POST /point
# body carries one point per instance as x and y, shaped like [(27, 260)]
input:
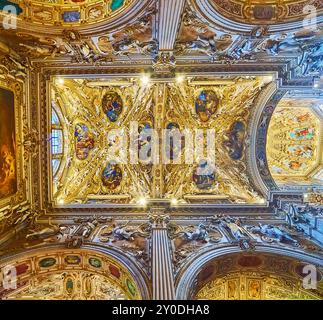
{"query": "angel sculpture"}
[(120, 233), (198, 234), (272, 233)]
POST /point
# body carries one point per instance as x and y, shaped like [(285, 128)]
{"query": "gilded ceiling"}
[(294, 146), (69, 13), (268, 11), (254, 277), (92, 169), (64, 275)]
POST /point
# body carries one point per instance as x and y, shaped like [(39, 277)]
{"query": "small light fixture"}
[(180, 78), (61, 202), (145, 79), (174, 202), (142, 202), (60, 81)]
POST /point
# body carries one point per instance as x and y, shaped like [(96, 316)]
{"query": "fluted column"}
[(169, 19), (162, 266)]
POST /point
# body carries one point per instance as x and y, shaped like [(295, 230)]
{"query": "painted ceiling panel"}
[(294, 146), (259, 11), (97, 114)]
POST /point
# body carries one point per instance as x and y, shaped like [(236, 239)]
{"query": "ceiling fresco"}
[(254, 277), (269, 11), (294, 147), (67, 275), (93, 170), (69, 13)]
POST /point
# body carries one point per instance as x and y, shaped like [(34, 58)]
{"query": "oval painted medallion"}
[(112, 105), (206, 104)]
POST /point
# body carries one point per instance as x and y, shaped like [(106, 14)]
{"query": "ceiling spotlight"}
[(142, 201), (61, 202), (180, 78), (145, 80), (60, 81), (174, 202)]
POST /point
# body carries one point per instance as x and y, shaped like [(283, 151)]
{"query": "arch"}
[(187, 275), (69, 15), (211, 11), (260, 118), (258, 164), (111, 264)]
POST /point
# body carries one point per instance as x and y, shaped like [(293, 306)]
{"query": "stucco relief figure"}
[(195, 36), (46, 232), (270, 233), (200, 233), (43, 15), (51, 237), (275, 47), (233, 226), (84, 230), (120, 233), (105, 45), (95, 12), (136, 38), (314, 60)]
